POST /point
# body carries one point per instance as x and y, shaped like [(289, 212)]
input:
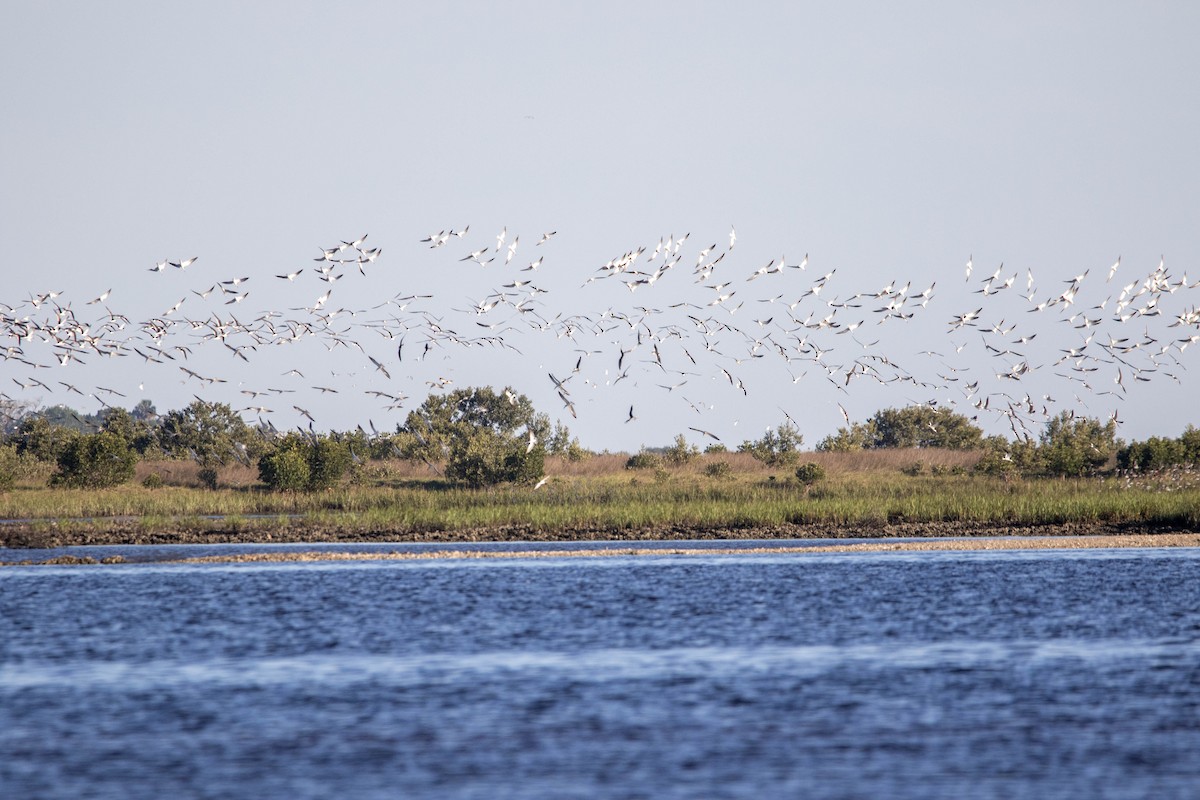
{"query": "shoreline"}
[(130, 532), (940, 545), (993, 538)]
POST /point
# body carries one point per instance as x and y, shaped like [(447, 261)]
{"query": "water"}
[(1035, 674)]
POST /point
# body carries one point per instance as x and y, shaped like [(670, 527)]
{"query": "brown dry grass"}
[(187, 474), (605, 465), (863, 461)]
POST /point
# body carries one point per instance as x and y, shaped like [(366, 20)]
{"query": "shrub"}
[(680, 452), (95, 461), (1154, 453), (810, 473), (561, 443), (285, 470), (913, 469), (718, 469), (211, 433), (328, 461), (153, 481), (924, 426), (37, 437), (858, 436), (643, 459), (208, 477), (486, 437), (777, 448), (1073, 446), (10, 466), (1009, 459), (488, 458)]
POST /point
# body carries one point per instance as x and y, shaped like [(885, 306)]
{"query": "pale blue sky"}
[(888, 141)]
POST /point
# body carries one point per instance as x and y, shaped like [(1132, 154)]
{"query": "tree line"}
[(479, 437)]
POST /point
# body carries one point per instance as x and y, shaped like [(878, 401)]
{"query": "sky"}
[(887, 144)]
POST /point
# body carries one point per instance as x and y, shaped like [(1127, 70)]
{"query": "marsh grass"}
[(862, 490)]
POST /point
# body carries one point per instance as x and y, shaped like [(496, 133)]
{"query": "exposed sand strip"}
[(882, 546), (1046, 542)]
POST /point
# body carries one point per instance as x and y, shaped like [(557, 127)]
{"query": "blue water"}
[(1004, 674)]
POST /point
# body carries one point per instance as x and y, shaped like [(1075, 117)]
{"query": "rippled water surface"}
[(1005, 674)]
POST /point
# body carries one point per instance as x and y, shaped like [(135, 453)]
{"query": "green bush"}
[(153, 481), (208, 477), (10, 466), (285, 470), (328, 461), (777, 448), (718, 469), (38, 438), (1158, 453), (95, 461), (643, 459), (810, 473), (914, 426), (680, 452), (1073, 446), (488, 458)]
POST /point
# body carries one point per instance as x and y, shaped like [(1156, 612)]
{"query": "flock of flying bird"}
[(729, 330)]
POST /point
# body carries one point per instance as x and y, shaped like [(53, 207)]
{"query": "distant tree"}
[(144, 411), (924, 426), (285, 467), (1073, 446), (680, 452), (858, 436), (1189, 445), (69, 418), (298, 462), (776, 448), (212, 434), (486, 458), (39, 438), (1009, 459), (1160, 453), (328, 460), (11, 413), (482, 435), (95, 461), (1155, 453), (442, 418), (561, 443), (10, 466), (137, 433)]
